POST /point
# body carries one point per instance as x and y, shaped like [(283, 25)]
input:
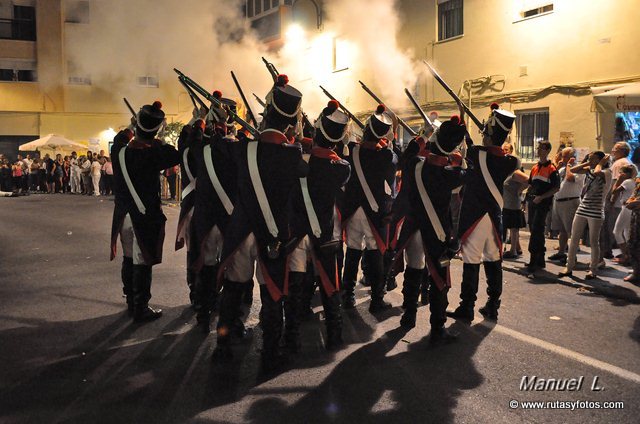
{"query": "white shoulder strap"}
[(363, 181), (254, 173), (215, 181), (132, 190), (311, 213), (192, 181), (428, 206), (482, 158)]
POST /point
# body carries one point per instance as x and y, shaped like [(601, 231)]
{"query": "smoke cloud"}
[(206, 40)]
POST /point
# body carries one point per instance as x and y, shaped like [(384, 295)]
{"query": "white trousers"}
[(212, 248), (76, 186), (243, 263), (359, 233), (579, 222), (481, 245), (130, 246), (622, 229), (95, 179), (414, 251)]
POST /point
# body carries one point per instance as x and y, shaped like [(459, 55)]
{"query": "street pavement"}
[(69, 353)]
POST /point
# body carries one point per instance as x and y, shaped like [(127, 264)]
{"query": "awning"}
[(622, 99), (52, 142)]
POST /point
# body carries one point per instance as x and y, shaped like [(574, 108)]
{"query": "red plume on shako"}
[(157, 104)]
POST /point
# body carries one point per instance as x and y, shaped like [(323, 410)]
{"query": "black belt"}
[(567, 198)]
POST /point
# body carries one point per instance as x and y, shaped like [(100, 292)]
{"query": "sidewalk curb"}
[(614, 292)]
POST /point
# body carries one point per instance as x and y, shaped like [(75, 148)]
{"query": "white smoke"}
[(206, 40)]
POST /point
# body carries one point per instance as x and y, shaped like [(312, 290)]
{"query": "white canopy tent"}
[(622, 99), (52, 142)]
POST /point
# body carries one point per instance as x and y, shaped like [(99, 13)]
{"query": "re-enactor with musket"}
[(258, 235), (137, 215)]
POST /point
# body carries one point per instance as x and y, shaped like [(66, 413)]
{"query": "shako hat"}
[(149, 119), (450, 134), (331, 124), (499, 124), (283, 101), (379, 123)]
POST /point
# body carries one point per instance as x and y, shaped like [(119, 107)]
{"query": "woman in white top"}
[(621, 192), (590, 211), (96, 167)]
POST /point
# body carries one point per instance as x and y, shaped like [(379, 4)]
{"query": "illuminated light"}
[(295, 34), (108, 135)]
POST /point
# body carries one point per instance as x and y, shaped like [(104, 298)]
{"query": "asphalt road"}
[(69, 353)]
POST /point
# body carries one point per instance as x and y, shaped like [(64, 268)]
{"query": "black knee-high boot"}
[(424, 287), (333, 319), (292, 311), (271, 324), (126, 274), (230, 313), (438, 307), (468, 292), (493, 271), (364, 264), (308, 289), (410, 291), (191, 277), (206, 295), (350, 273), (142, 293), (375, 274)]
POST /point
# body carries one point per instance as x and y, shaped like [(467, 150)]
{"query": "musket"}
[(455, 96), (194, 97), (271, 68), (250, 114), (126, 102), (400, 120), (274, 74), (204, 93), (418, 108), (344, 109), (259, 100)]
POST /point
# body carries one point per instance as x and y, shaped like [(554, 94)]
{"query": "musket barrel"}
[(126, 102), (454, 95), (344, 109), (418, 108), (194, 97), (204, 93), (250, 114)]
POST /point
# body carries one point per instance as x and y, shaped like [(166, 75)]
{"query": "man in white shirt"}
[(619, 158), (565, 202), (26, 170), (74, 174)]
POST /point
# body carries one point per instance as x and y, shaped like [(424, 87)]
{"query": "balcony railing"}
[(18, 29)]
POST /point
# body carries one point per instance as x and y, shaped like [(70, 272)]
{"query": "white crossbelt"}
[(482, 158), (192, 181), (254, 173), (428, 205), (363, 181), (132, 190), (311, 213), (215, 181)]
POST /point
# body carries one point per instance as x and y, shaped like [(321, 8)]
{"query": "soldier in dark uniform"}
[(216, 188), (481, 215), (313, 220), (188, 171), (137, 216), (367, 206), (428, 180), (258, 232)]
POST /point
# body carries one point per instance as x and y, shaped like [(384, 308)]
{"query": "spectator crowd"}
[(596, 201), (90, 174)]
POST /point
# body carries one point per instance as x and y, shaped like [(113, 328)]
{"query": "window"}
[(18, 70), (449, 19), (532, 126), (148, 81), (76, 76), (257, 7), (267, 26), (22, 26), (77, 12), (532, 8)]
